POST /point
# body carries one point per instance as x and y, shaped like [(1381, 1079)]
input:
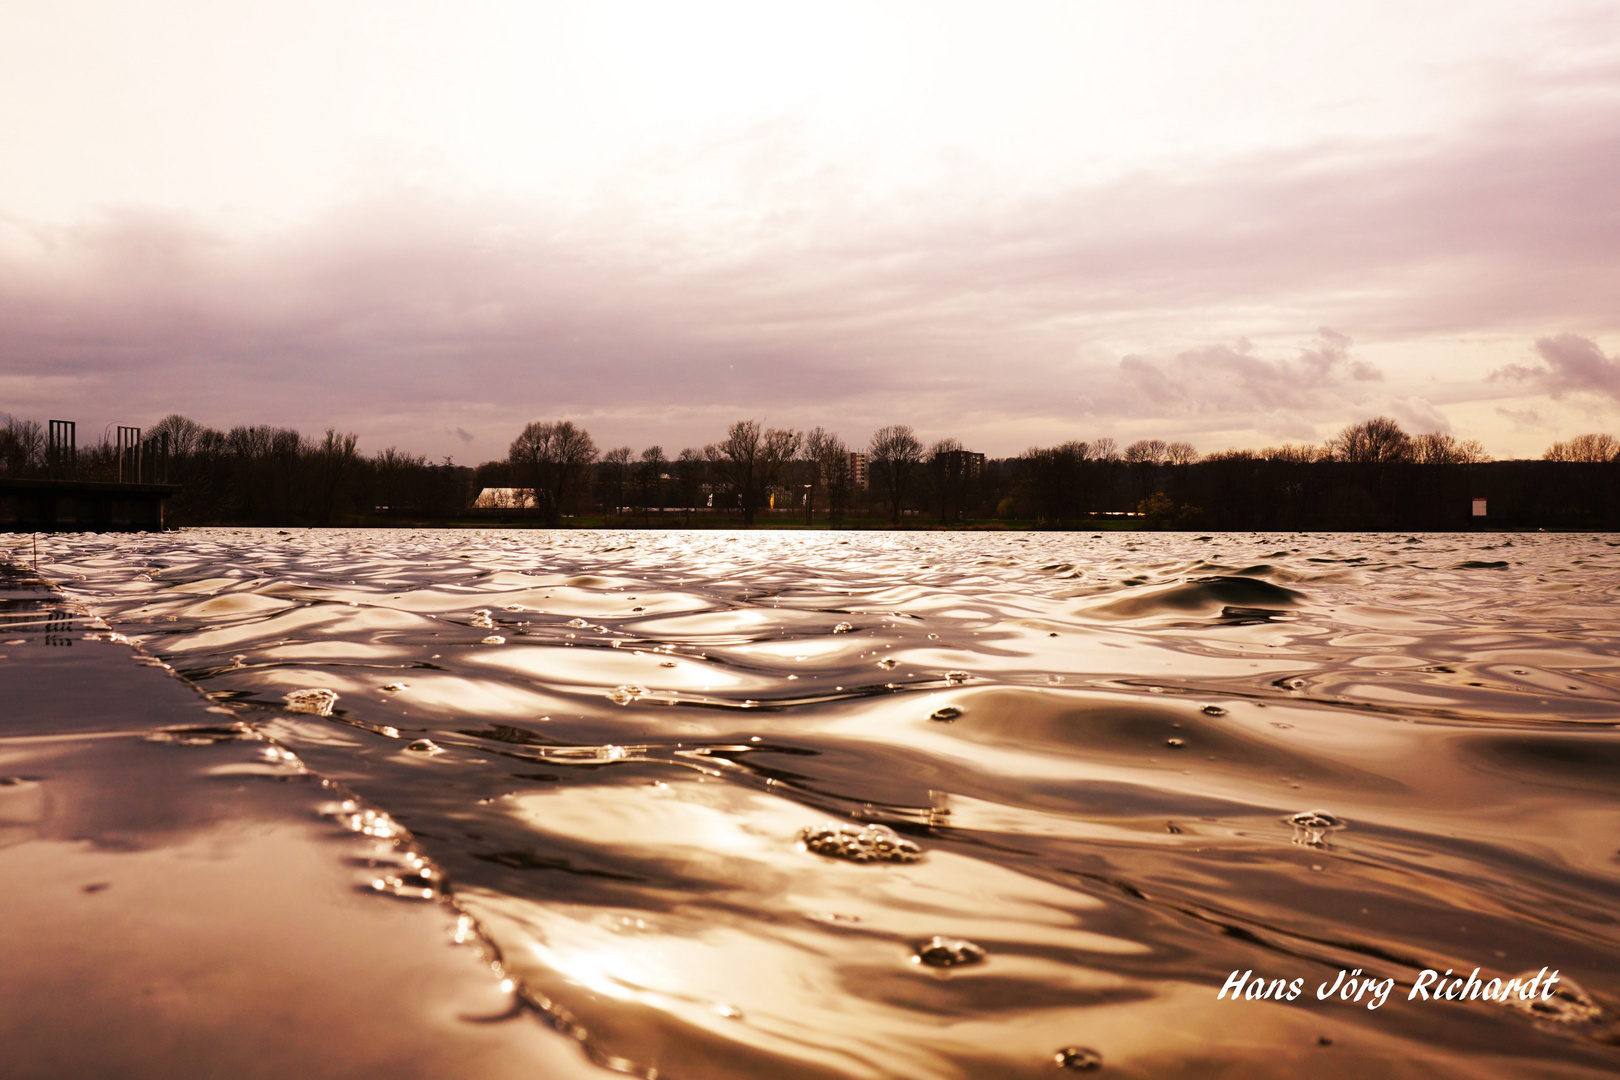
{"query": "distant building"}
[(964, 463), (504, 499), (860, 469)]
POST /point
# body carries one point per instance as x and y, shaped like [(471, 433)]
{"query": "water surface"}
[(957, 805)]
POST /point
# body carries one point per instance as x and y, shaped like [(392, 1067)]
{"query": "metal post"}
[(62, 452), (129, 455)]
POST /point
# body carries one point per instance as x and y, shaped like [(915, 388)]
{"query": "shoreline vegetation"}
[(1372, 476)]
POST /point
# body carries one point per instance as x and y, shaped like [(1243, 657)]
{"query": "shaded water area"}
[(956, 805)]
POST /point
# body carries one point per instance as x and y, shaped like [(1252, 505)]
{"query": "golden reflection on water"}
[(614, 743)]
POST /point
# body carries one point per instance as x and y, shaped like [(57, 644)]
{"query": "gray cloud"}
[(416, 314), (1234, 382), (1570, 364)]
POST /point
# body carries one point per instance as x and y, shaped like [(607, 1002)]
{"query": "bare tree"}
[(22, 446), (1103, 449), (837, 474), (1055, 481), (1377, 441), (1437, 448), (895, 453), (689, 470), (184, 434), (615, 477), (750, 460), (1181, 453), (1593, 447), (334, 459), (1296, 454), (549, 460), (1147, 452), (817, 441), (650, 479)]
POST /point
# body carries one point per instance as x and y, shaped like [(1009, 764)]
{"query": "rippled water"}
[(957, 805)]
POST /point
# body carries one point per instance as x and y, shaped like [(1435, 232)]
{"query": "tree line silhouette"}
[(1371, 475)]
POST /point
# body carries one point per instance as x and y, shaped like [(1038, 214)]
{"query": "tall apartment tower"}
[(860, 469)]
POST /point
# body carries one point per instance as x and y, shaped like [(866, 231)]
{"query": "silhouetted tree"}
[(22, 446), (749, 461), (895, 453), (550, 461), (1591, 448), (1055, 481), (1378, 441), (185, 434), (615, 477), (690, 468), (1147, 451), (334, 461), (817, 442), (1436, 448), (650, 479), (837, 475)]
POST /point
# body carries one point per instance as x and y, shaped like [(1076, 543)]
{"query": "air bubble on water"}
[(1175, 743), (275, 755), (493, 639), (730, 1012), (948, 952), (1213, 710), (956, 678), (945, 713), (481, 619), (1313, 828), (425, 746), (859, 843), (667, 663), (373, 823), (1077, 1059), (1569, 1004), (394, 687), (406, 887), (624, 695), (416, 879), (577, 624), (888, 663), (236, 661), (316, 701), (843, 628)]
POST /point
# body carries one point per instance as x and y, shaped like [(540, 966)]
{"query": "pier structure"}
[(59, 501)]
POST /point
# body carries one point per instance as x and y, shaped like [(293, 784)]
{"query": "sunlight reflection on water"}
[(620, 747)]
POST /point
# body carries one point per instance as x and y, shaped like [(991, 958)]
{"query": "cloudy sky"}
[(1235, 224)]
